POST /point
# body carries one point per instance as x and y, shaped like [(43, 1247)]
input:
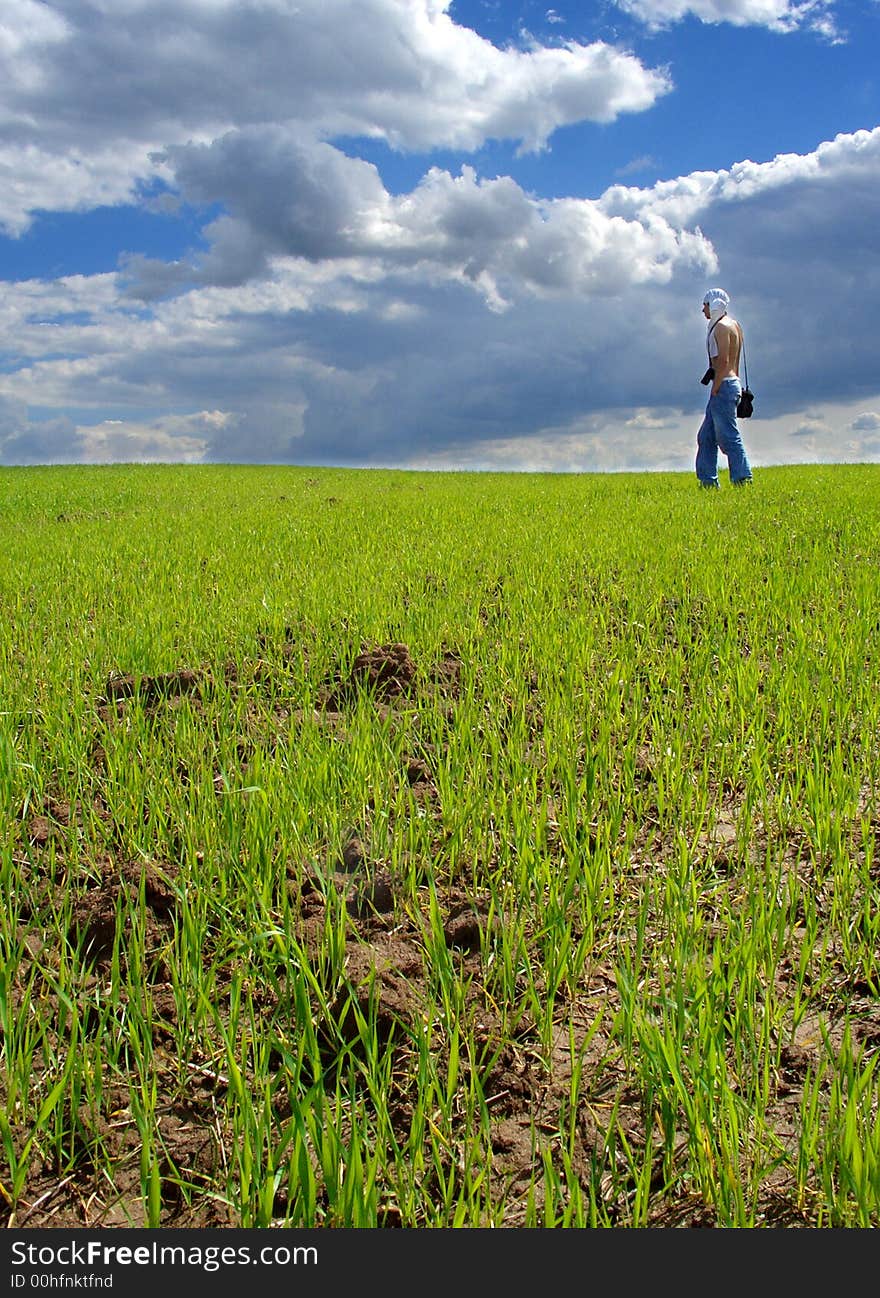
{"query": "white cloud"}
[(644, 162), (777, 15), (289, 197), (89, 101), (809, 427), (868, 421), (73, 180), (847, 158), (176, 439), (26, 29)]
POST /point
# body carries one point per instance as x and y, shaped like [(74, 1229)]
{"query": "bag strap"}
[(710, 333), (745, 366)]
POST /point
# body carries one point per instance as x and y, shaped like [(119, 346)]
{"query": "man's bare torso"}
[(728, 336)]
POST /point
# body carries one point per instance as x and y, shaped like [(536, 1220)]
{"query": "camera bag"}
[(746, 402)]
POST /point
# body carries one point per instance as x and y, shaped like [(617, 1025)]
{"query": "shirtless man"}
[(719, 430)]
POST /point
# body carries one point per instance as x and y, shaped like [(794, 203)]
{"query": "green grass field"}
[(403, 849)]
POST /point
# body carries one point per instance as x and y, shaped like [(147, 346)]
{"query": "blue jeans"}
[(719, 431)]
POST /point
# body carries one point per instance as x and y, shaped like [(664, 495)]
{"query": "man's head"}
[(715, 304)]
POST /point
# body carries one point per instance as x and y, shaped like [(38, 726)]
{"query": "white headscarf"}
[(717, 301)]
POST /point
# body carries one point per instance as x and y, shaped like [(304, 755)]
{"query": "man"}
[(719, 429)]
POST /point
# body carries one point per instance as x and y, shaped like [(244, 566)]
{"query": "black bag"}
[(745, 404)]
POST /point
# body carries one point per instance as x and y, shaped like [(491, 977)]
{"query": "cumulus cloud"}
[(90, 99), (173, 439), (178, 439), (777, 15), (833, 166), (33, 178), (289, 197), (809, 426)]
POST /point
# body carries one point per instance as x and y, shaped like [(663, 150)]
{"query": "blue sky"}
[(429, 234)]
